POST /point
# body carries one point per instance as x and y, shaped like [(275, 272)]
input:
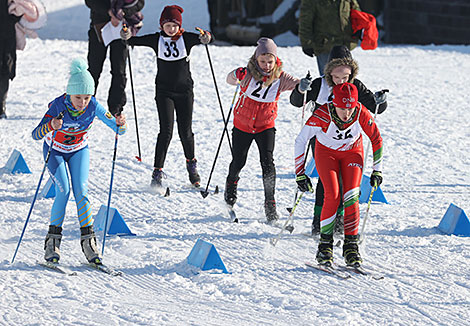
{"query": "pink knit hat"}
[(266, 45)]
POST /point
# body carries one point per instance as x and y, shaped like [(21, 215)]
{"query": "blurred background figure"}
[(324, 24), (101, 13)]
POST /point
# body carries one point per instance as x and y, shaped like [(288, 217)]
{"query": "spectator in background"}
[(324, 24), (102, 12), (7, 53)]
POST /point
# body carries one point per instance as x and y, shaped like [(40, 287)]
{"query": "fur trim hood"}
[(258, 75), (341, 62)]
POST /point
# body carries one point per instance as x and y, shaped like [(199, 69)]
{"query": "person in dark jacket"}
[(7, 53), (173, 87), (340, 68), (324, 24), (102, 12)]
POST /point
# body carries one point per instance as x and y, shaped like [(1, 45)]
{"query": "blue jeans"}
[(322, 60)]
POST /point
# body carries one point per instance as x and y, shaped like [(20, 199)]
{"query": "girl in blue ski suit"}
[(69, 139)]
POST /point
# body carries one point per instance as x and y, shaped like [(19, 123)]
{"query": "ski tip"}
[(204, 193), (138, 158), (167, 192), (216, 191)]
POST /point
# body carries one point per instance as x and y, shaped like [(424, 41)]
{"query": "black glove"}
[(303, 182), (308, 51), (381, 100), (376, 178)]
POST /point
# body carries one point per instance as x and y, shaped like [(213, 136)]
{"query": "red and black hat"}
[(171, 14), (345, 96)]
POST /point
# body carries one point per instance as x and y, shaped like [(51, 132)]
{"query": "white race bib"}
[(170, 50), (341, 140), (257, 92)]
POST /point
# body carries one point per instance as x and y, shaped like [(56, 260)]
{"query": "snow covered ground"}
[(426, 136)]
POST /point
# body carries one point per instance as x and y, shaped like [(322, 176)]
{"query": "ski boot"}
[(89, 246), (351, 250), (270, 211), (194, 178), (230, 194), (52, 244), (325, 249), (157, 176)]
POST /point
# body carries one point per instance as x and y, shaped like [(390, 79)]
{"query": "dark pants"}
[(4, 83), (118, 56), (167, 104), (241, 142)]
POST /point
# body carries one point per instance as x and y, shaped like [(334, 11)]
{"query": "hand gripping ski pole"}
[(60, 116), (110, 188), (288, 222), (205, 192), (139, 157), (216, 90), (362, 235)]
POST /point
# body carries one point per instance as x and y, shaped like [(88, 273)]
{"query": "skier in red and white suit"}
[(338, 126)]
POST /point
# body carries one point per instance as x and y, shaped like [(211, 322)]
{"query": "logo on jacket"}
[(71, 126), (355, 165)]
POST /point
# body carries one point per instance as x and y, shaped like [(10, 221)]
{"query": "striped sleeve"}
[(44, 127), (372, 131)]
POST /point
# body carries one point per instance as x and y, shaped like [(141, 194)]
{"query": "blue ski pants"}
[(79, 164)]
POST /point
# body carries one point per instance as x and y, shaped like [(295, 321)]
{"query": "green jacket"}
[(326, 23)]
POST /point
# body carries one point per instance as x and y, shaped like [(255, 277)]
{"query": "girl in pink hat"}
[(261, 84)]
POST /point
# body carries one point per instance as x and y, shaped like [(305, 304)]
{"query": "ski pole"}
[(60, 116), (367, 214), (204, 193), (305, 102), (362, 235), (139, 157), (383, 91), (110, 188), (288, 222), (301, 126), (216, 89)]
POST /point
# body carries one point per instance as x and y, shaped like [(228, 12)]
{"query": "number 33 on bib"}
[(171, 50)]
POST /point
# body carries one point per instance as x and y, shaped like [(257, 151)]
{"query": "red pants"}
[(329, 163)]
